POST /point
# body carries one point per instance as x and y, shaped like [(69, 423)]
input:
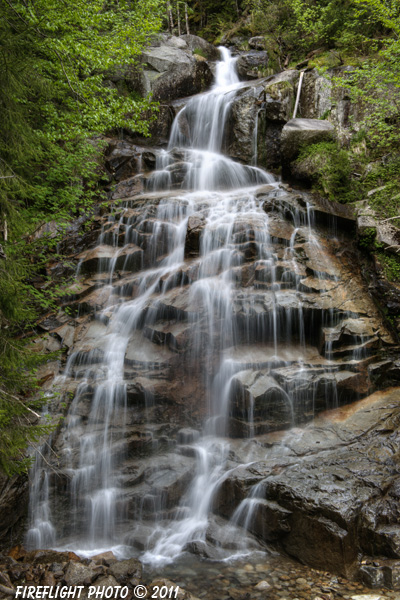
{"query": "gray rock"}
[(172, 71), (316, 95), (79, 574), (280, 94), (257, 43), (321, 99), (298, 133), (164, 58), (340, 498), (373, 577), (194, 42), (252, 64), (187, 436), (241, 127), (204, 550), (196, 224), (126, 569)]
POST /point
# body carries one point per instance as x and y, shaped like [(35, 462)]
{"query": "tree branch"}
[(67, 78), (390, 219), (20, 402)]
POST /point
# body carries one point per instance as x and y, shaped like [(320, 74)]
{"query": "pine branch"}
[(3, 391)]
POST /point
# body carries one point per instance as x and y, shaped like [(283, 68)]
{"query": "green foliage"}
[(375, 85), (391, 266), (56, 102), (330, 169), (275, 21), (333, 23), (200, 52), (19, 398), (292, 28), (366, 240), (54, 96), (384, 176)]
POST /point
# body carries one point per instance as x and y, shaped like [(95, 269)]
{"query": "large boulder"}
[(251, 64), (258, 43), (196, 43), (337, 502), (316, 95), (320, 98), (171, 70), (277, 109), (298, 133), (258, 113), (280, 94)]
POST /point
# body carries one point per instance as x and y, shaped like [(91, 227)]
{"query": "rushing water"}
[(86, 507)]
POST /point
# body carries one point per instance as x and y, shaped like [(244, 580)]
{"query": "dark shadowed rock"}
[(13, 509), (122, 160), (181, 79), (102, 257), (195, 228), (252, 64)]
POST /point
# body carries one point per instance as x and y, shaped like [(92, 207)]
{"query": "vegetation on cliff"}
[(335, 33)]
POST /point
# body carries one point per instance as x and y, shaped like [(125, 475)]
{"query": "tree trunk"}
[(187, 19), (169, 26), (170, 18), (178, 12)]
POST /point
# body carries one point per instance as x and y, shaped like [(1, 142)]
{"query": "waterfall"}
[(222, 321), (298, 94)]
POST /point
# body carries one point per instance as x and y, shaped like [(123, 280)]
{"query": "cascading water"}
[(221, 319)]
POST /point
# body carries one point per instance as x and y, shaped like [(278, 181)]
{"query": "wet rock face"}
[(287, 287), (242, 123), (341, 499), (258, 114), (280, 96)]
